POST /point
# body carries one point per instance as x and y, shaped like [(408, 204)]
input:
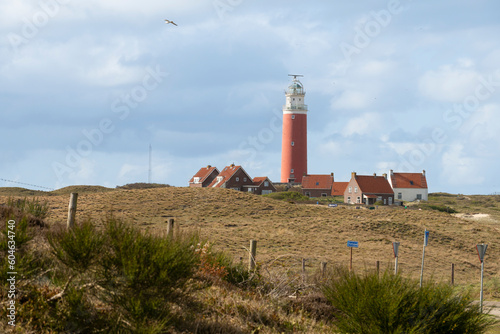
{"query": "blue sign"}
[(353, 244), (331, 205), (426, 238)]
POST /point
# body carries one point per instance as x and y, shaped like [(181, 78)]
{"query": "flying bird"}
[(168, 21)]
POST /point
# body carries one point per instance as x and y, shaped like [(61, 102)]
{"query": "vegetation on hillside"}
[(112, 277), (388, 303)]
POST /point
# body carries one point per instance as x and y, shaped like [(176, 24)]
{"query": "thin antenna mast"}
[(149, 171)]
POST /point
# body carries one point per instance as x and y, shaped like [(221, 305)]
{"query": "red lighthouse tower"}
[(294, 142)]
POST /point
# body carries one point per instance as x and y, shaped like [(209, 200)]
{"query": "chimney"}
[(232, 165), (423, 172), (384, 175), (392, 172), (374, 175), (209, 166), (353, 175)]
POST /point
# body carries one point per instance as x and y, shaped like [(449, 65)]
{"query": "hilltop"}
[(287, 232)]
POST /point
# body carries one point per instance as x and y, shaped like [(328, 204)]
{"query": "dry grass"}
[(287, 233), (317, 233)]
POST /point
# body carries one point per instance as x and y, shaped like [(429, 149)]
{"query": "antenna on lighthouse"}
[(149, 171), (295, 76)]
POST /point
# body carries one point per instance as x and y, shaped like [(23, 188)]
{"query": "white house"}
[(409, 186)]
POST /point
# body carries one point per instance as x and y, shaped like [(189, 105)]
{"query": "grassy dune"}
[(285, 300), (288, 232)]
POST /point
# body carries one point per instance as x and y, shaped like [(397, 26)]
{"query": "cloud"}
[(459, 169), (366, 124), (449, 83)]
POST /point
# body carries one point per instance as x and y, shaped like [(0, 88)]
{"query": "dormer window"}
[(219, 178), (196, 180)]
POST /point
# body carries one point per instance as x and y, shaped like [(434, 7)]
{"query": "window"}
[(196, 180), (293, 116), (300, 99), (323, 194), (355, 189), (308, 194), (379, 198), (291, 171), (237, 179), (293, 99), (266, 183), (385, 201), (419, 196), (348, 199), (350, 190), (400, 196), (358, 199), (244, 179), (293, 143), (219, 178), (317, 183)]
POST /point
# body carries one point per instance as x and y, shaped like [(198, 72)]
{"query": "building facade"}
[(366, 189), (409, 186)]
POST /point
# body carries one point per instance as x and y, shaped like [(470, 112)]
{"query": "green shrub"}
[(288, 196), (389, 303), (79, 247), (441, 208), (33, 207)]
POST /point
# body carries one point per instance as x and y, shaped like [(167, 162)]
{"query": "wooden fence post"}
[(378, 268), (170, 227), (452, 273), (253, 252), (72, 210), (323, 268)]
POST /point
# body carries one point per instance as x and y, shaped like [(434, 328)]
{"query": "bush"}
[(392, 304), (441, 208), (133, 277), (33, 207), (78, 248), (288, 196)]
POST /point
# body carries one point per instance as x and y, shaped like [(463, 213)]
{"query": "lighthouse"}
[(294, 141)]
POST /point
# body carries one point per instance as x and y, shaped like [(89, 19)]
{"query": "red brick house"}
[(366, 189), (204, 177), (261, 186), (232, 177), (317, 185)]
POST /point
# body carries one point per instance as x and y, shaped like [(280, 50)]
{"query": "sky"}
[(87, 86)]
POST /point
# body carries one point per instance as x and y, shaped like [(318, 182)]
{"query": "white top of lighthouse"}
[(296, 87), (295, 97)]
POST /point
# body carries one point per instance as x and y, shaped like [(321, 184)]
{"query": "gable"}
[(204, 173)]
